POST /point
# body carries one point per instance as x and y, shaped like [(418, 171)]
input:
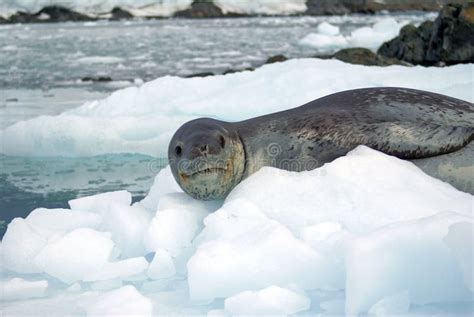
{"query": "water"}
[(41, 67)]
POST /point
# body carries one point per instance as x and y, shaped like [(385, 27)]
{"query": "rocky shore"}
[(208, 9), (448, 40)]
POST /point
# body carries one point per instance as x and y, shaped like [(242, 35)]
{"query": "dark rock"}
[(96, 79), (362, 56), (61, 14), (452, 36), (446, 41), (120, 14), (410, 45), (276, 59), (335, 7), (201, 9), (3, 21), (231, 71), (49, 14), (203, 74)]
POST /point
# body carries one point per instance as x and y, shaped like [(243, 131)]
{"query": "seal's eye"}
[(221, 141), (178, 150)]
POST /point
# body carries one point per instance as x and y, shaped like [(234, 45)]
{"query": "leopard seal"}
[(209, 157)]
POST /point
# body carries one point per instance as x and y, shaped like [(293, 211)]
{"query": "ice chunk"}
[(324, 41), (76, 287), (101, 202), (125, 301), (239, 253), (75, 255), (408, 256), (128, 225), (373, 37), (164, 184), (327, 29), (272, 300), (368, 189), (20, 245), (160, 106), (176, 223), (118, 270), (397, 304), (162, 265), (17, 288), (460, 240), (50, 222), (106, 285)]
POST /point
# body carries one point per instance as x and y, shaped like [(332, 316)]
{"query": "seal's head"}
[(207, 158)]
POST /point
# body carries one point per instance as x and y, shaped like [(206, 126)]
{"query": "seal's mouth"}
[(204, 172)]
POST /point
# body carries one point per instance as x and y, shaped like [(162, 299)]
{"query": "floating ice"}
[(270, 301), (324, 41), (162, 265), (329, 38), (128, 225), (327, 29), (101, 203), (17, 288), (118, 270), (74, 256), (125, 301), (20, 245), (410, 256), (367, 225), (159, 107)]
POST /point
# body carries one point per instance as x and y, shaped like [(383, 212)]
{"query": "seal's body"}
[(209, 157)]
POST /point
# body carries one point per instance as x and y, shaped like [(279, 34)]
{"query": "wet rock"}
[(231, 71), (446, 41), (118, 13), (411, 44), (203, 74), (201, 9), (96, 79), (452, 36), (336, 7), (276, 59), (362, 56)]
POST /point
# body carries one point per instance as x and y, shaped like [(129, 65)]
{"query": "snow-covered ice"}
[(369, 225), (156, 7), (159, 107)]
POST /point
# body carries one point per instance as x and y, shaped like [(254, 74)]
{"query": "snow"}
[(367, 232), (17, 288), (159, 107), (156, 7), (329, 38), (269, 7), (272, 300)]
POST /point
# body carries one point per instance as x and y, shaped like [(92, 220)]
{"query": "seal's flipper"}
[(413, 140)]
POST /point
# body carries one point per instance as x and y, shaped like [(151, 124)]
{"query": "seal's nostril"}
[(222, 141), (178, 150), (205, 148)]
